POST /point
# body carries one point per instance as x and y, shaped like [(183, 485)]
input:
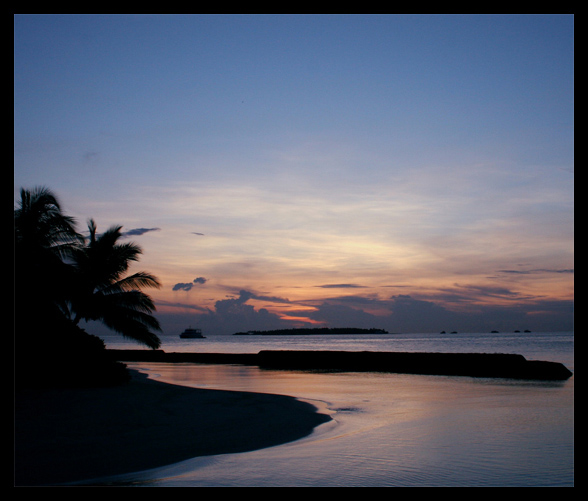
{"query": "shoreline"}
[(71, 435)]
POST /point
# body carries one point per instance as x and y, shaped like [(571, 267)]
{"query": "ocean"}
[(388, 430)]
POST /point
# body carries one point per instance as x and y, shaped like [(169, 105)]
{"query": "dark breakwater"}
[(441, 364), (181, 357), (495, 365)]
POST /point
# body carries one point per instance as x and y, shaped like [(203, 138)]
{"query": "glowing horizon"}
[(410, 172)]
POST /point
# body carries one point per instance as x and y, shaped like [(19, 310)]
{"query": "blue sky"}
[(407, 172)]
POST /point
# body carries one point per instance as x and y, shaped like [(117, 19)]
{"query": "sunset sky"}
[(407, 172)]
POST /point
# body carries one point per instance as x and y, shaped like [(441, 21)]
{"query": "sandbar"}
[(69, 435)]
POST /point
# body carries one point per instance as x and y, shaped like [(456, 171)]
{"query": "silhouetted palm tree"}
[(102, 292), (60, 275), (44, 238), (40, 224)]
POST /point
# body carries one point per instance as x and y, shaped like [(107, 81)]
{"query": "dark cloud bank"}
[(229, 316), (400, 313)]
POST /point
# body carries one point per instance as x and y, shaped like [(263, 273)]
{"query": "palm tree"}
[(39, 223), (44, 238), (103, 292)]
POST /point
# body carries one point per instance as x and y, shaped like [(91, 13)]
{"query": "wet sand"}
[(68, 435)]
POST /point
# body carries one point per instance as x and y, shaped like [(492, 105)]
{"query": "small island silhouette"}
[(314, 330)]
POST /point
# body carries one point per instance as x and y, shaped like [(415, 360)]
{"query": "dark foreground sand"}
[(69, 435)]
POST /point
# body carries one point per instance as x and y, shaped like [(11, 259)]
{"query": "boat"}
[(190, 333)]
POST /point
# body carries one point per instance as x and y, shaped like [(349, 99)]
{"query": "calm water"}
[(390, 429)]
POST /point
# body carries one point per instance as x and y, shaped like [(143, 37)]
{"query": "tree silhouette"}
[(103, 292), (44, 240), (62, 277)]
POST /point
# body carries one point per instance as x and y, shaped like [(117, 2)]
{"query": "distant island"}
[(311, 331)]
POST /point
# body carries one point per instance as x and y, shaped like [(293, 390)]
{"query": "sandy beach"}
[(68, 435)]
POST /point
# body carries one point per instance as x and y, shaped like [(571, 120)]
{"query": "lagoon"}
[(389, 429)]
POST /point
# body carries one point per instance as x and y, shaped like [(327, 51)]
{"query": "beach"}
[(68, 435), (180, 426)]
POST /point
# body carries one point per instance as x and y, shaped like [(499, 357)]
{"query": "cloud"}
[(356, 300), (235, 315), (339, 315), (405, 313), (529, 272), (182, 286), (131, 233), (272, 299), (246, 295), (183, 306), (397, 313), (409, 312), (90, 155), (341, 286), (186, 286), (482, 291), (195, 233), (139, 231), (230, 315)]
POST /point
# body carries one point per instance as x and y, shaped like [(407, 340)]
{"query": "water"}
[(534, 346), (389, 429)]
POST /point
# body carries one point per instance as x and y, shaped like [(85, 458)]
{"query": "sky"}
[(407, 172)]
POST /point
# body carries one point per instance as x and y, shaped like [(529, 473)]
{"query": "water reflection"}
[(392, 429)]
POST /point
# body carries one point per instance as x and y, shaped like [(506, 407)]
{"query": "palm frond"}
[(133, 322), (132, 300), (138, 280), (133, 330)]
